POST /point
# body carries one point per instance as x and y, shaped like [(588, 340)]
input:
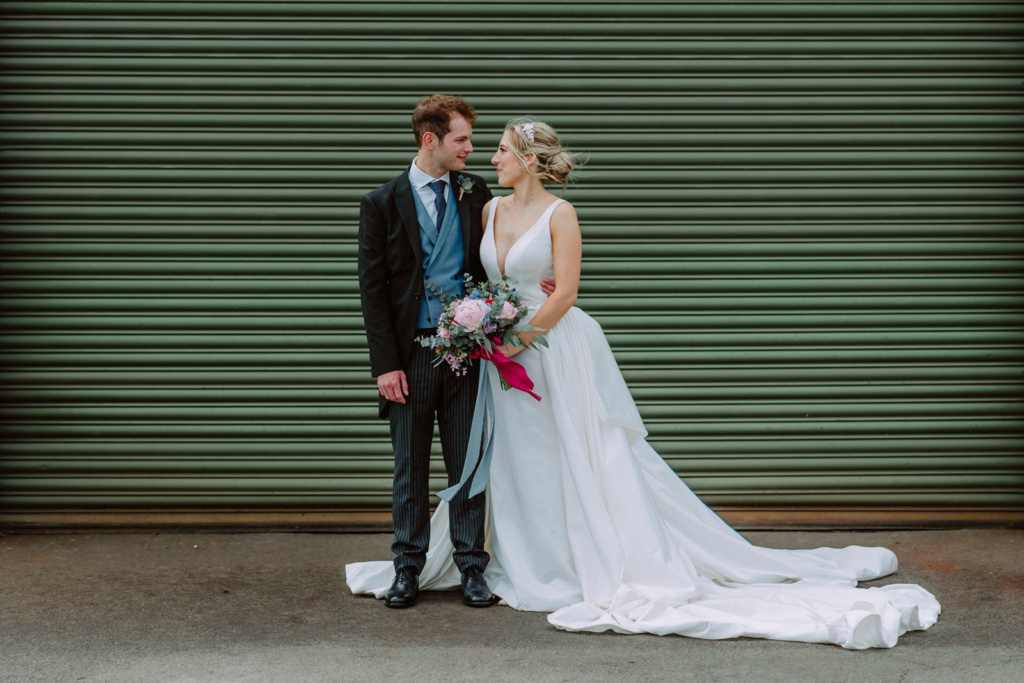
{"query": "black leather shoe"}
[(475, 592), (404, 589)]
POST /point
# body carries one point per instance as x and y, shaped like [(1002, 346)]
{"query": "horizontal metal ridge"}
[(699, 446), (636, 284), (647, 316), (347, 215), (610, 176), (384, 64), (599, 229), (597, 305), (474, 47), (471, 27), (389, 162), (1001, 471), (597, 269), (269, 397), (356, 358), (340, 144), (739, 428), (553, 84), (798, 360), (210, 503), (951, 337), (577, 123), (659, 196), (569, 9), (284, 250), (311, 455), (638, 375), (497, 108), (381, 483)]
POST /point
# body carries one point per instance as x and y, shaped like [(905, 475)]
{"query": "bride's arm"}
[(567, 252)]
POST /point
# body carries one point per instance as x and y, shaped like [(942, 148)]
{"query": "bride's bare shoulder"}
[(564, 221), (564, 212)]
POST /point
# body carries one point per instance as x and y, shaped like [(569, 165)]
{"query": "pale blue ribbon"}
[(481, 447)]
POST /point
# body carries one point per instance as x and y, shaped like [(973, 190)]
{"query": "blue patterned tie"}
[(438, 186)]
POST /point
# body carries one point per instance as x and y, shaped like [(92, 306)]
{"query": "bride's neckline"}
[(494, 232)]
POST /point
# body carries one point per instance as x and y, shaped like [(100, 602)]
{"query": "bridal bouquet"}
[(472, 325)]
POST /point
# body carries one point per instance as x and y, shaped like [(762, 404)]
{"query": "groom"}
[(420, 229)]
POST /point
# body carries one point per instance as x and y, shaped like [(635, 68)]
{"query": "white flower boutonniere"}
[(465, 185)]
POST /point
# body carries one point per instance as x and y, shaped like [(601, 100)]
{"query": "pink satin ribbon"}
[(511, 371)]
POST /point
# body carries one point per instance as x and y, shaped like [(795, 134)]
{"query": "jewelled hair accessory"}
[(528, 131)]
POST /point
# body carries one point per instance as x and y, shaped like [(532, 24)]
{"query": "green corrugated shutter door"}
[(802, 221)]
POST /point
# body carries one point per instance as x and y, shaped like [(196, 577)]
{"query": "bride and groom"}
[(580, 517)]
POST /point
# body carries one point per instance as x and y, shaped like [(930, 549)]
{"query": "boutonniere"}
[(465, 185)]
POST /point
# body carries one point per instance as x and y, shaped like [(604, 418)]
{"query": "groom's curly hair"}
[(434, 114)]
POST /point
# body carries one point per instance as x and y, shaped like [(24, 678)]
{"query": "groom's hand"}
[(547, 285), (393, 386)]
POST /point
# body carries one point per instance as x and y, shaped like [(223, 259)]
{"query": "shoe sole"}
[(493, 601), (399, 605)]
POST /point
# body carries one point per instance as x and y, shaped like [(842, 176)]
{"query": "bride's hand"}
[(509, 350)]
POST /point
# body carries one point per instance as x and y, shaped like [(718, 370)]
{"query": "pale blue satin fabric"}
[(481, 442)]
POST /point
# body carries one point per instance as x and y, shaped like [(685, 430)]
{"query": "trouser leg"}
[(412, 431), (454, 419)]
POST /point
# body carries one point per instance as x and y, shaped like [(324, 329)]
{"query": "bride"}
[(584, 519)]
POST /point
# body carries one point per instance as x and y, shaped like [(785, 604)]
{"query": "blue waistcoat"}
[(443, 257)]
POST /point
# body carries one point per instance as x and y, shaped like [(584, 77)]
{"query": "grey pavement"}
[(189, 607)]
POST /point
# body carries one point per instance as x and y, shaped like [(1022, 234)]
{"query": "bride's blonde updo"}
[(554, 162)]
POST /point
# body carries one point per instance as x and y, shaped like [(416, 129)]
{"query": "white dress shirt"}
[(420, 182)]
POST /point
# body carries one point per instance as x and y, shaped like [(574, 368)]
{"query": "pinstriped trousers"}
[(434, 390)]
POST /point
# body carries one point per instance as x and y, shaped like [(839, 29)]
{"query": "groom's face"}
[(451, 152)]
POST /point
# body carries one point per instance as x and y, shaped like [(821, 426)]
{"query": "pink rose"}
[(443, 333), (508, 312), (470, 313)]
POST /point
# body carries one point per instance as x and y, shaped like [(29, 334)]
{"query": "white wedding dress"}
[(585, 520)]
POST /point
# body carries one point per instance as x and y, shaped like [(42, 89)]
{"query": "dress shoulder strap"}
[(494, 210), (546, 216)]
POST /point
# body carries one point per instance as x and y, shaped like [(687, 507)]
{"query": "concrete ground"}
[(274, 607)]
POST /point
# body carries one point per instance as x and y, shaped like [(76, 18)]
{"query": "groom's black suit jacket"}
[(391, 265)]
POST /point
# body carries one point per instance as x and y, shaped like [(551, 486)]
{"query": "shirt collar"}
[(420, 179)]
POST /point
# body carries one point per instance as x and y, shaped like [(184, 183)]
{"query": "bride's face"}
[(509, 168)]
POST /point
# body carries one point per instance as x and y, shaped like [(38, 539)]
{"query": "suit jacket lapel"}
[(463, 205), (407, 210)]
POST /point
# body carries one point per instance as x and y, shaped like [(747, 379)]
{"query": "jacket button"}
[(426, 277), (415, 296)]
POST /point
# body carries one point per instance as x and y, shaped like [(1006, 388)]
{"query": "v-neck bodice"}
[(529, 259)]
